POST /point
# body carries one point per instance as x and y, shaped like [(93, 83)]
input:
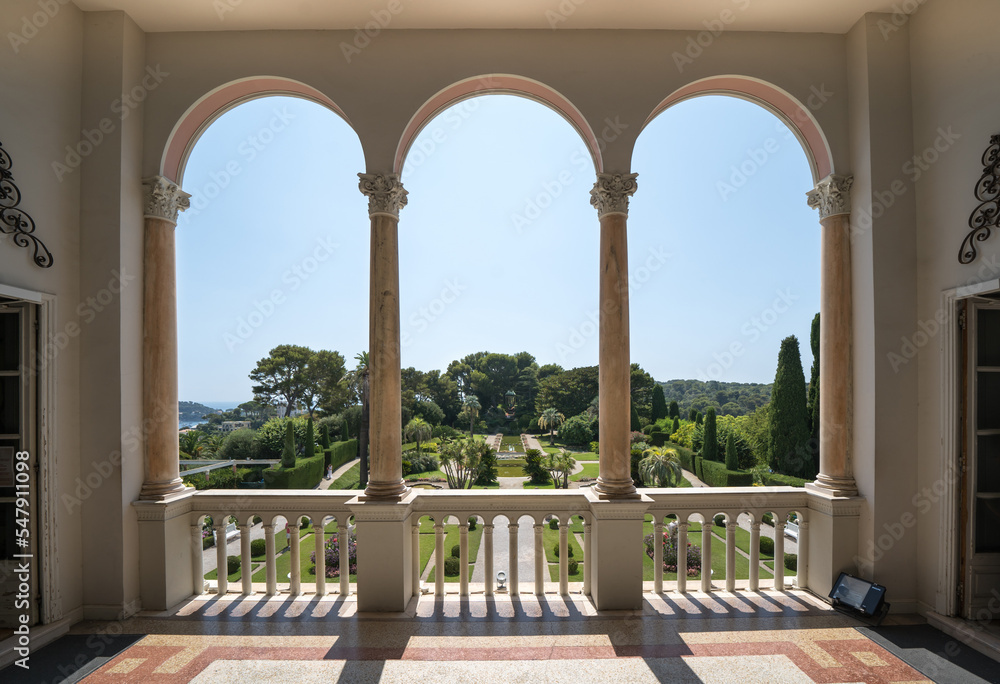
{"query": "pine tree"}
[(674, 411), (659, 403), (676, 425), (636, 426), (814, 381), (310, 439), (788, 420), (710, 445), (732, 460), (288, 452)]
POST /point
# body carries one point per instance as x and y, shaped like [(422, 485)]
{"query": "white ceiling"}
[(825, 16)]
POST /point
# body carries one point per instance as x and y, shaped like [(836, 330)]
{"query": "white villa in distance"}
[(896, 104)]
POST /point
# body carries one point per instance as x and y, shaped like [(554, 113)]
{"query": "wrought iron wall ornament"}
[(14, 220), (986, 216)]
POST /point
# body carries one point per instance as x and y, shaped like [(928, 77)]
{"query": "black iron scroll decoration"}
[(14, 220), (986, 216)]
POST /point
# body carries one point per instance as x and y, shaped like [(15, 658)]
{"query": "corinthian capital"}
[(832, 196), (611, 192), (384, 192), (162, 199)]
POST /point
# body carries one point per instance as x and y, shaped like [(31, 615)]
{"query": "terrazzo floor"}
[(720, 637)]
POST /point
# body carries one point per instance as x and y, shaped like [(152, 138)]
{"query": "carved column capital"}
[(611, 192), (385, 193), (832, 196), (163, 199)]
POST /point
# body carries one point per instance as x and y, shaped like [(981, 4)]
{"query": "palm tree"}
[(550, 420), (560, 465), (213, 443), (660, 465), (359, 384), (418, 430), (472, 405), (192, 443)]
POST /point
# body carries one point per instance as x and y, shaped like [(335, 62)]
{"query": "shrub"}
[(659, 439), (341, 453), (767, 546), (533, 467), (257, 520), (555, 549), (232, 564), (778, 480), (288, 452), (720, 521), (767, 518), (791, 561), (332, 556), (649, 429), (635, 437), (669, 541), (422, 463), (554, 524), (271, 435), (456, 551), (595, 447), (305, 524), (238, 445), (717, 475), (258, 547), (578, 430), (305, 474), (574, 566), (451, 566), (445, 432), (472, 524), (710, 450)]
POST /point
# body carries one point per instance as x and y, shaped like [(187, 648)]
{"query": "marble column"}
[(610, 197), (386, 197), (832, 196), (162, 200)]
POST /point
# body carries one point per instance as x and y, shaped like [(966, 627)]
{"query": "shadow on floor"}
[(935, 654)]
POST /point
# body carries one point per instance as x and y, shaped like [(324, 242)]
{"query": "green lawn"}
[(451, 538), (429, 475), (788, 573), (307, 544), (412, 446), (591, 470), (718, 557), (349, 480)]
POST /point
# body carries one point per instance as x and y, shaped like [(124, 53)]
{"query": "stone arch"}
[(213, 104), (497, 84), (792, 112)]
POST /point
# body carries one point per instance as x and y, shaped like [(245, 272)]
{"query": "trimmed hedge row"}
[(340, 453), (778, 480), (715, 474), (305, 474)]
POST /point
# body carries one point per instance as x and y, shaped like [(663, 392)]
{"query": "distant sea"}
[(221, 405)]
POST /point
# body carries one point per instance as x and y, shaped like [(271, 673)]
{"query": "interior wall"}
[(955, 64), (40, 82)]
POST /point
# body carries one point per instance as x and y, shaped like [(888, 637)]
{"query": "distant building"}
[(230, 425)]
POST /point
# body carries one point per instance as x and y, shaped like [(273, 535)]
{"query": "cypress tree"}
[(788, 419), (814, 381), (710, 446), (698, 418), (659, 403), (324, 442), (288, 452), (636, 426), (676, 426), (310, 439), (344, 432), (674, 411), (732, 460), (693, 415)]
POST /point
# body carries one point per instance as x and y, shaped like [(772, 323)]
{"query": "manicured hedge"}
[(305, 474), (340, 453), (659, 439), (221, 478), (778, 480), (716, 475)]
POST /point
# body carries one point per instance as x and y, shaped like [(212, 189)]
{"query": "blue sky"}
[(498, 244)]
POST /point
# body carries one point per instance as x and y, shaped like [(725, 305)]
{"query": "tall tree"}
[(674, 411), (281, 376), (310, 439), (636, 426), (732, 458), (693, 415), (569, 392), (788, 428), (360, 384), (659, 404), (676, 426), (813, 399), (550, 420), (288, 452), (472, 406), (419, 430), (325, 385), (660, 466), (710, 443)]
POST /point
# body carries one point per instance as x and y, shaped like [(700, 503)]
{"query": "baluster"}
[(439, 556), (706, 554), (221, 565), (512, 560), (415, 555), (564, 558), (730, 554), (802, 543), (540, 562), (779, 554), (295, 585), (344, 542), (755, 554), (197, 560), (272, 569), (463, 557), (488, 558), (682, 554), (586, 558), (246, 565), (319, 535), (658, 555)]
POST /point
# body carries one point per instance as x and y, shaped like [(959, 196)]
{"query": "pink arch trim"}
[(214, 104), (496, 83), (796, 115)]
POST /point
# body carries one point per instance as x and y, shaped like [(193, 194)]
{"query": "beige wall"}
[(955, 63)]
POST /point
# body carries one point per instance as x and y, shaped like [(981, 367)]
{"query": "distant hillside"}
[(728, 398), (192, 411)]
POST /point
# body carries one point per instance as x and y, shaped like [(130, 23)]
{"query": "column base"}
[(163, 489), (834, 486), (615, 489), (385, 491), (165, 551)]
